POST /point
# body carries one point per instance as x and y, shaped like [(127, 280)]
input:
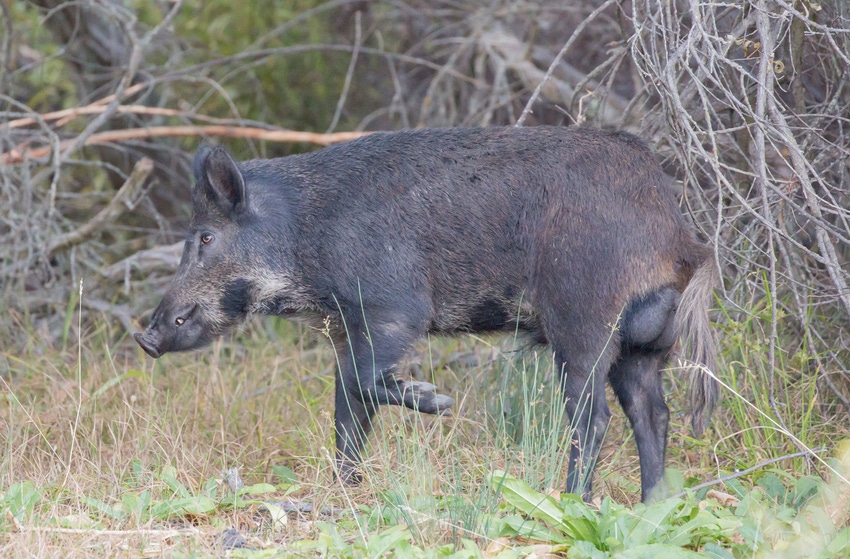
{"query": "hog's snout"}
[(148, 345), (174, 328)]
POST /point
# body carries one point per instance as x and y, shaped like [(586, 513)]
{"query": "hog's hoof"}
[(423, 397)]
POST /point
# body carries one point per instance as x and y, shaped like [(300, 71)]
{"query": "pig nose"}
[(148, 346)]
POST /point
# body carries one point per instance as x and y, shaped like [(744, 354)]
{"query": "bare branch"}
[(159, 258), (17, 155), (123, 200), (65, 116), (348, 74), (511, 49), (561, 53), (742, 473)]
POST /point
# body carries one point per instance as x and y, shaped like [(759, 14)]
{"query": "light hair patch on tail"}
[(698, 348)]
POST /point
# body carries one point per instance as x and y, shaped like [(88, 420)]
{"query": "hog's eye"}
[(206, 238), (179, 321)]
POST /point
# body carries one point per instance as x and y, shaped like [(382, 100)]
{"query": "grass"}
[(108, 453)]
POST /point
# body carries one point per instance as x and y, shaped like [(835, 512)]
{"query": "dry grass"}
[(97, 421)]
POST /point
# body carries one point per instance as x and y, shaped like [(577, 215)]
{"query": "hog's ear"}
[(218, 178)]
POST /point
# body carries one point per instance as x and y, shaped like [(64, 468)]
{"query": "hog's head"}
[(210, 292)]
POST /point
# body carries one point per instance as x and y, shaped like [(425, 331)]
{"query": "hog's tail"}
[(698, 349)]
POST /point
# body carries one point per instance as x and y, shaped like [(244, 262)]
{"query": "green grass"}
[(108, 453)]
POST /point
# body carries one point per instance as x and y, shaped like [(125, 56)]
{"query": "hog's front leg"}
[(366, 380)]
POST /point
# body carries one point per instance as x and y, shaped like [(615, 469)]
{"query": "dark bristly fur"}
[(552, 231)]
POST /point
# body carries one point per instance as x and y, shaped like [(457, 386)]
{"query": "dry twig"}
[(20, 154), (125, 199)]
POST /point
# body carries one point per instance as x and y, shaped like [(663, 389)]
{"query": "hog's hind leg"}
[(636, 381), (647, 336)]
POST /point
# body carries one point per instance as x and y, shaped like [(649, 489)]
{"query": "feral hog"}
[(563, 233)]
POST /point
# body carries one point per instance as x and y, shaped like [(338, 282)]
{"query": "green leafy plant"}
[(19, 501), (170, 500), (771, 520)]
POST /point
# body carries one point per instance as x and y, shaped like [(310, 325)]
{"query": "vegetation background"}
[(102, 103)]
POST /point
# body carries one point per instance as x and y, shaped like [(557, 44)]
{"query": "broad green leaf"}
[(650, 522), (736, 488), (138, 469), (586, 550), (537, 505), (257, 489), (573, 506), (716, 552), (235, 501), (387, 541), (105, 509), (168, 476), (21, 499), (752, 534), (279, 516), (178, 507), (705, 525), (773, 488), (331, 535), (137, 505), (840, 545), (285, 474), (673, 482), (470, 550), (805, 488), (130, 501), (518, 526), (657, 551), (211, 487)]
